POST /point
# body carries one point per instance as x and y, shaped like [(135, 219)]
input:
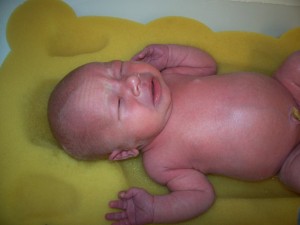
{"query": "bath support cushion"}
[(41, 185)]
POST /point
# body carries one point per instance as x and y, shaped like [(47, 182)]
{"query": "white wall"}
[(272, 17)]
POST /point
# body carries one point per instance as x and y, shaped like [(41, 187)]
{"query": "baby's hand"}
[(156, 55), (137, 206)]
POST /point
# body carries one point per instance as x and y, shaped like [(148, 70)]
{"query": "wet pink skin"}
[(192, 122)]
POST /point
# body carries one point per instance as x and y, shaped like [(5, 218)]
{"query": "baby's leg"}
[(289, 173), (289, 75)]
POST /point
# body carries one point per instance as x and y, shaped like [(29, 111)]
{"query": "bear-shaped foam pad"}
[(42, 185)]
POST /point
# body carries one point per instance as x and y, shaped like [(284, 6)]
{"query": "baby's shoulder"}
[(161, 167), (154, 164)]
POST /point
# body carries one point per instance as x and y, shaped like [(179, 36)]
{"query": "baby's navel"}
[(296, 113)]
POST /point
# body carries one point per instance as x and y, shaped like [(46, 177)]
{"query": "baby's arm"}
[(178, 59), (191, 194)]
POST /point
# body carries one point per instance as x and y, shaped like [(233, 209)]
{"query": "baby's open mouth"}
[(153, 91), (156, 91)]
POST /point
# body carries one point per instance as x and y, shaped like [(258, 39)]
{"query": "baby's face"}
[(131, 101)]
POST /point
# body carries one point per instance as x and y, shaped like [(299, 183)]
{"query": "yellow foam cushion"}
[(40, 184)]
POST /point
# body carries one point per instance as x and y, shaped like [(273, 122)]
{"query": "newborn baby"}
[(168, 104)]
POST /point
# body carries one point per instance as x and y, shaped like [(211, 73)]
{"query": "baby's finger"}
[(118, 204), (130, 193), (123, 194), (138, 57), (116, 216), (145, 53)]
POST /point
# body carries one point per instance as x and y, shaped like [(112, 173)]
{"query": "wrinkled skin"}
[(241, 125)]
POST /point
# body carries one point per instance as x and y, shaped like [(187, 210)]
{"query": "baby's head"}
[(113, 108)]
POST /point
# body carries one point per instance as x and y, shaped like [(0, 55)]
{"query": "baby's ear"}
[(123, 154)]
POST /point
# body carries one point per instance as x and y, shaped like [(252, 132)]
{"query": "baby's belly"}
[(250, 153), (252, 145)]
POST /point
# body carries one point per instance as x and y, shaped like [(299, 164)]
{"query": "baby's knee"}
[(290, 65), (288, 74), (289, 173), (294, 61), (295, 56)]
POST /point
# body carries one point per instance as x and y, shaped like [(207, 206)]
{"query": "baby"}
[(168, 104)]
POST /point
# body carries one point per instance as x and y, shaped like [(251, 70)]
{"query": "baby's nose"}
[(134, 81)]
